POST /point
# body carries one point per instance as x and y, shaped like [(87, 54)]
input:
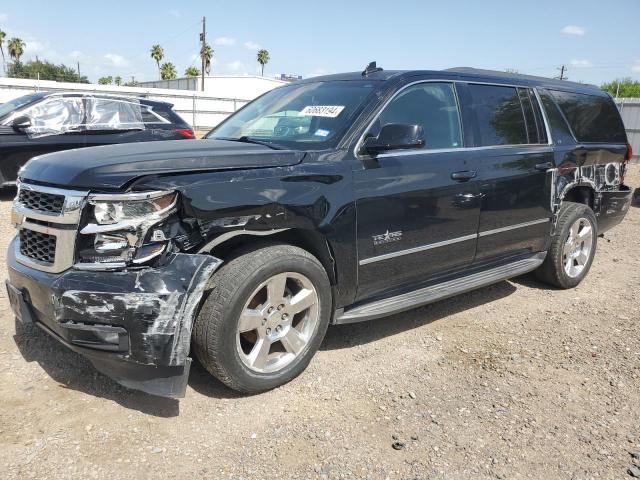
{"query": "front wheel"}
[(572, 247), (265, 318)]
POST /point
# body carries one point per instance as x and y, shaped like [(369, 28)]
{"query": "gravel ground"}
[(515, 380)]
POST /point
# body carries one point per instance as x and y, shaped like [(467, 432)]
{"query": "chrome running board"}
[(423, 296)]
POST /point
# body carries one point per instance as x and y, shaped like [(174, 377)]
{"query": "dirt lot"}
[(512, 381)]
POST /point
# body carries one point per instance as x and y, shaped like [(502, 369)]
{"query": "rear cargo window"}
[(593, 119), (499, 116)]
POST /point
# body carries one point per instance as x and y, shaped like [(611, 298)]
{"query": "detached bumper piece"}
[(134, 326)]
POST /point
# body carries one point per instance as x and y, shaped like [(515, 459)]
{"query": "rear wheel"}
[(572, 247), (265, 318)]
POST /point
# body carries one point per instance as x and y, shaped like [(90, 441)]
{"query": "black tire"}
[(215, 330), (552, 271)]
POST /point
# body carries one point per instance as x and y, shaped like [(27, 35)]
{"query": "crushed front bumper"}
[(134, 326)]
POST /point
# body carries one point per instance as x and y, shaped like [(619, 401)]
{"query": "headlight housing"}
[(123, 229)]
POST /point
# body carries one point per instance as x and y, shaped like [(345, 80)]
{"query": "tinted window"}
[(592, 118), (499, 116), (431, 105), (530, 121), (537, 113), (300, 115), (559, 129)]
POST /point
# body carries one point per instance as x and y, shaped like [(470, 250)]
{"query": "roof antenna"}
[(371, 68)]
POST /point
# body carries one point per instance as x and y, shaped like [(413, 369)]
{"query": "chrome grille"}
[(40, 201), (47, 219), (38, 246)]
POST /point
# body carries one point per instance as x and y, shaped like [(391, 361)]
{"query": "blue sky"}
[(597, 41)]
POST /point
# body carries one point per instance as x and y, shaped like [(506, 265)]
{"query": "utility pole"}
[(78, 72), (203, 42), (562, 76)]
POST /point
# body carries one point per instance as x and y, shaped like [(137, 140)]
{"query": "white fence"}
[(199, 109), (630, 111)]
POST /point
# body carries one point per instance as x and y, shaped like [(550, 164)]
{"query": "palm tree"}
[(168, 71), (16, 48), (157, 53), (263, 58), (206, 53), (3, 36), (192, 72)]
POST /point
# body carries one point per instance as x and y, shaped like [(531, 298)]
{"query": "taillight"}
[(185, 132), (629, 152)]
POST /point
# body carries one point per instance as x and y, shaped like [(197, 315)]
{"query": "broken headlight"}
[(123, 229)]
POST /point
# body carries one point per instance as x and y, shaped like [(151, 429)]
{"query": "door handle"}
[(543, 167), (463, 176)]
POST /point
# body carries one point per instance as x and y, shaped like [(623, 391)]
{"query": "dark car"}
[(332, 200), (44, 122)]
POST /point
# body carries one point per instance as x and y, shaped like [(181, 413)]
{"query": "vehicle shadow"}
[(7, 194), (346, 336), (206, 384), (72, 371)]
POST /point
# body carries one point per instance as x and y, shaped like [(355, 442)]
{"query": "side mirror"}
[(21, 123), (395, 136)]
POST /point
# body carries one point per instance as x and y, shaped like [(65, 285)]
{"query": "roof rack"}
[(371, 68)]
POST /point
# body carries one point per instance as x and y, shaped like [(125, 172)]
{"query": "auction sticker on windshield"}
[(330, 111)]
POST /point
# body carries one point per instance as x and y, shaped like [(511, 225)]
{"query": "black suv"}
[(331, 200), (44, 122)]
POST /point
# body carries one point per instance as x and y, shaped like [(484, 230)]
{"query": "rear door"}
[(417, 210), (508, 131)]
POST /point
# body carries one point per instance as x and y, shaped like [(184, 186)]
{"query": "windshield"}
[(308, 115), (11, 105)]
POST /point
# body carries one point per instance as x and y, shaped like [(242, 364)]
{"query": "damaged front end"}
[(109, 276)]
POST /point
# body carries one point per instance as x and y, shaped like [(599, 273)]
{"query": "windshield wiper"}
[(246, 139)]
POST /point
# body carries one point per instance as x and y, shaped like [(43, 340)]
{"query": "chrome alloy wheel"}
[(277, 322), (577, 247)]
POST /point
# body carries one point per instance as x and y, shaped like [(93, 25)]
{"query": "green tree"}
[(118, 80), (45, 71), (192, 72), (3, 37), (263, 58), (105, 80), (157, 53), (622, 87), (206, 53), (16, 48), (168, 71)]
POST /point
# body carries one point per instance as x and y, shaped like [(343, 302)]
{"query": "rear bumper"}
[(613, 206), (134, 326)]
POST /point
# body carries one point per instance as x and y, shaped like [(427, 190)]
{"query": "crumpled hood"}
[(111, 167)]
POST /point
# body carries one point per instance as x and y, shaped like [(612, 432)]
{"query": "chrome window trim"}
[(422, 248), (513, 227), (462, 148)]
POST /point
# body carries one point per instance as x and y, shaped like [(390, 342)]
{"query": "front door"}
[(417, 210)]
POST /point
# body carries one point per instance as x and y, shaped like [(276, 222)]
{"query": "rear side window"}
[(559, 128), (593, 119), (431, 105), (499, 116)]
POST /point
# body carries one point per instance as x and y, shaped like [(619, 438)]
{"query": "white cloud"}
[(574, 30), (33, 47), (4, 17), (225, 41), (235, 67), (252, 45), (116, 60), (175, 13), (636, 68), (581, 63)]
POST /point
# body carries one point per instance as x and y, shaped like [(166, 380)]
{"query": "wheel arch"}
[(313, 242)]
